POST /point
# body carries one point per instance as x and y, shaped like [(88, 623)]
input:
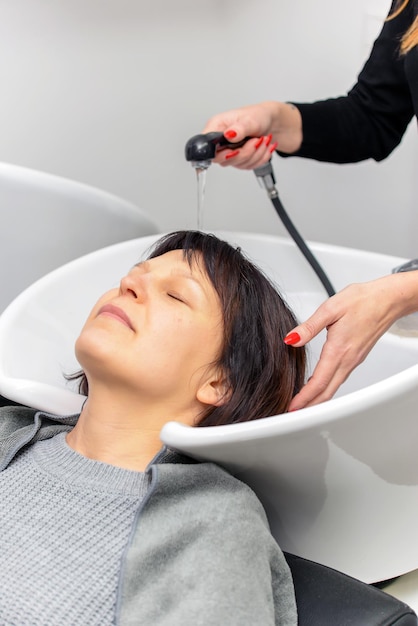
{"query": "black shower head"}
[(200, 150)]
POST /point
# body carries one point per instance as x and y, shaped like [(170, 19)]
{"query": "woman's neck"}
[(119, 431), (115, 444)]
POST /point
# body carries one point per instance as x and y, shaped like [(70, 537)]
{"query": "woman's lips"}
[(114, 311)]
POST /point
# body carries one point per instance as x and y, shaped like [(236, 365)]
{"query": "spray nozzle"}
[(200, 150)]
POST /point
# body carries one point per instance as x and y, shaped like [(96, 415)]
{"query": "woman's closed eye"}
[(176, 296)]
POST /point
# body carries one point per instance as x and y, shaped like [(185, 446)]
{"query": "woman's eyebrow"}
[(181, 273), (142, 265), (175, 272)]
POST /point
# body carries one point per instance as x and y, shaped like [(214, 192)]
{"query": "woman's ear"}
[(215, 390)]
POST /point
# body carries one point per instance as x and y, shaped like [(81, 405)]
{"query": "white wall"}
[(108, 92)]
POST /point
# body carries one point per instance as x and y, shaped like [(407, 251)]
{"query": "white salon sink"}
[(339, 480)]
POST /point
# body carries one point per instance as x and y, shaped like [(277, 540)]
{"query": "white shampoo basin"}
[(339, 480)]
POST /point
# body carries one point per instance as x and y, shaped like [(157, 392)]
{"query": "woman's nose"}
[(133, 286)]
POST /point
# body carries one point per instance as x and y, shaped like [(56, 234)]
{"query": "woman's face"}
[(158, 334)]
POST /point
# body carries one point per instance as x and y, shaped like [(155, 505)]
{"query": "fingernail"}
[(232, 154), (291, 339), (258, 143), (268, 139), (230, 134), (273, 147)]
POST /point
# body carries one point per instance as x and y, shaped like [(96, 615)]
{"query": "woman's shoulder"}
[(15, 417), (211, 486)]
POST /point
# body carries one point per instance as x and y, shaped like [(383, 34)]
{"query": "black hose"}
[(201, 149), (299, 241)]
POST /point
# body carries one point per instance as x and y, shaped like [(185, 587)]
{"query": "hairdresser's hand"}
[(272, 124), (355, 318)]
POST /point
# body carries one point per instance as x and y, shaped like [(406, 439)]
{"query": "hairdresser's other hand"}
[(272, 124), (355, 318)]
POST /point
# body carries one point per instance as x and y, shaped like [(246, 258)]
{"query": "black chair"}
[(326, 597)]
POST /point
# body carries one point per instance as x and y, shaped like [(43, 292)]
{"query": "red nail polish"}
[(258, 143), (232, 154), (268, 139), (230, 134), (291, 339), (273, 147)]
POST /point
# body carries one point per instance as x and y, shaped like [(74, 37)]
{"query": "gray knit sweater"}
[(196, 551), (53, 492)]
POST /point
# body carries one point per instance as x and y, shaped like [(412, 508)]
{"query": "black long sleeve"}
[(370, 121)]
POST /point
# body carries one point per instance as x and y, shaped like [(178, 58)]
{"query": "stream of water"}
[(201, 184)]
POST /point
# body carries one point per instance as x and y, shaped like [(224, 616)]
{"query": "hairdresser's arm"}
[(355, 318), (368, 122)]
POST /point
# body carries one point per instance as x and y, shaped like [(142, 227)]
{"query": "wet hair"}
[(262, 372)]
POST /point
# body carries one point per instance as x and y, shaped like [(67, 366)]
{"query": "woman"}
[(368, 122), (102, 526)]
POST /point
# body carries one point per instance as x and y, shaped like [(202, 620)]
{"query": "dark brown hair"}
[(263, 373)]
